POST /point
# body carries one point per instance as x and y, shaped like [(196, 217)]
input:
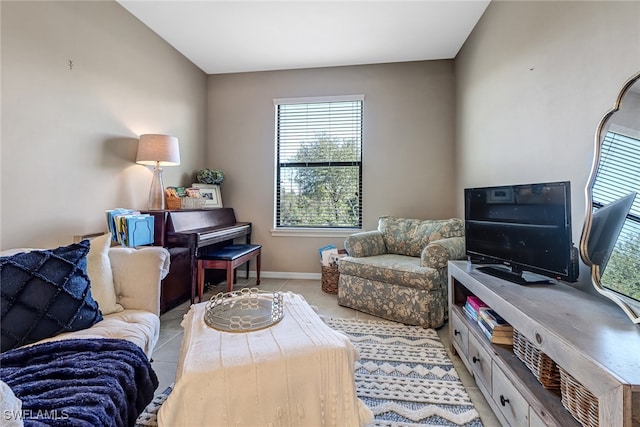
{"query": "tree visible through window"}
[(319, 162)]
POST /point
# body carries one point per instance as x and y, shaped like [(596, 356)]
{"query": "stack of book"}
[(496, 329), (473, 306)]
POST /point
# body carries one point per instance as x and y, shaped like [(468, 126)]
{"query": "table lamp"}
[(157, 150)]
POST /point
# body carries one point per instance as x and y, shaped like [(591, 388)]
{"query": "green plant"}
[(210, 176)]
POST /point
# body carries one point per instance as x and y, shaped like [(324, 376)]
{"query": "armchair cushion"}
[(392, 268), (365, 244), (44, 293), (439, 252), (407, 236)]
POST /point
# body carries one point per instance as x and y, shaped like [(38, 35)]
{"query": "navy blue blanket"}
[(80, 382)]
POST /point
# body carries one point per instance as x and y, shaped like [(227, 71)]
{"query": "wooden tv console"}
[(590, 338)]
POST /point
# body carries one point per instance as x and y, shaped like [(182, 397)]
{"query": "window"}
[(619, 168), (319, 162)]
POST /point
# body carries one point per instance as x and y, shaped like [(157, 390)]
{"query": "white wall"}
[(533, 81), (69, 134), (530, 85), (407, 145)]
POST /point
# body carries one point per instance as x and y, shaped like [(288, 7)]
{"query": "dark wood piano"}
[(186, 233)]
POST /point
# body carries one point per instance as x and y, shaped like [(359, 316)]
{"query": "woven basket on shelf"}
[(174, 203), (192, 203), (579, 401), (330, 276), (544, 369)]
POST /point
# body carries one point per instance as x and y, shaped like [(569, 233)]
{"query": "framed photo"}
[(211, 194)]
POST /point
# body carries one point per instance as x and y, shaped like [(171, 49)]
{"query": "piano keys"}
[(203, 228)]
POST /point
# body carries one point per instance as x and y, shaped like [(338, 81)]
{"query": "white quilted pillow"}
[(101, 276)]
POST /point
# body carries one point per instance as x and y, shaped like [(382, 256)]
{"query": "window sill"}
[(313, 232)]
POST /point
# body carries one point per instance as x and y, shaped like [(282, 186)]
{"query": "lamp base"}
[(156, 192)]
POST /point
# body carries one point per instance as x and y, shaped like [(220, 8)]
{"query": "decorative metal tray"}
[(248, 309)]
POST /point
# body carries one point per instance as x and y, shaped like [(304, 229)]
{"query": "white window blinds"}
[(319, 162)]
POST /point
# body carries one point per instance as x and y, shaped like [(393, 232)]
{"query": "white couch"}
[(136, 276), (131, 278)]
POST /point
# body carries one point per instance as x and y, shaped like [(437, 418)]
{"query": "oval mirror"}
[(610, 241)]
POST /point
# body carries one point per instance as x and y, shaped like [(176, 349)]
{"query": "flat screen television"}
[(522, 231)]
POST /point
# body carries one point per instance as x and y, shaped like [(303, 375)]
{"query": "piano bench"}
[(228, 258)]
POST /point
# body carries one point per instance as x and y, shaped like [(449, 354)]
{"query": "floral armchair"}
[(399, 271)]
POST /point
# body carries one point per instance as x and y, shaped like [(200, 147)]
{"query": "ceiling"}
[(240, 36)]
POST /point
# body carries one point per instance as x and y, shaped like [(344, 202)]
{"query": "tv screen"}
[(524, 227)]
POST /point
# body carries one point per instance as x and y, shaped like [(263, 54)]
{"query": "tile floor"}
[(165, 355)]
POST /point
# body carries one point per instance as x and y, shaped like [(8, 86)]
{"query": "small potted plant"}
[(210, 176)]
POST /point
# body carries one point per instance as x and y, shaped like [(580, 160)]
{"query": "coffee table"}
[(298, 372)]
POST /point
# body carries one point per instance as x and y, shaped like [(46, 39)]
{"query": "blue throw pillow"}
[(44, 293)]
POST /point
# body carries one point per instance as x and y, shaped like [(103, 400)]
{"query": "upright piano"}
[(186, 233)]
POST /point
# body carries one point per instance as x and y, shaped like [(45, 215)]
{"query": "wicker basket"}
[(174, 203), (544, 369), (192, 203), (579, 401), (330, 276)]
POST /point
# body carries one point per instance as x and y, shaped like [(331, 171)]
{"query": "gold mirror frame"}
[(629, 306)]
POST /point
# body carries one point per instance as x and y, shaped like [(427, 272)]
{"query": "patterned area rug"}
[(149, 417), (404, 375)]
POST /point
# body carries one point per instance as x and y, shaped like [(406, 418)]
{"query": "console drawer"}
[(480, 362), (459, 333), (535, 420), (510, 403)]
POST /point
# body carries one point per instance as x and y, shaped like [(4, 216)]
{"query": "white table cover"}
[(298, 372)]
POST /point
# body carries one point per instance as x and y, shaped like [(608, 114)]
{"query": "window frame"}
[(311, 231)]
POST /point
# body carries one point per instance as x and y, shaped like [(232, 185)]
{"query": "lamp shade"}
[(158, 150)]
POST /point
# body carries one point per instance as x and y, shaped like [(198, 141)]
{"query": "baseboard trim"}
[(285, 275)]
